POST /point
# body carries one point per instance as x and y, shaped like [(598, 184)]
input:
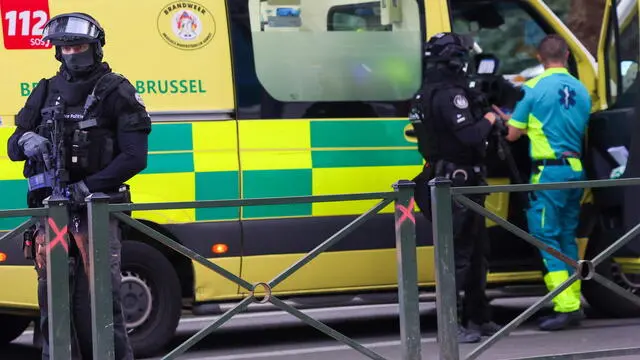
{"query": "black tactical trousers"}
[(471, 250), (81, 331)]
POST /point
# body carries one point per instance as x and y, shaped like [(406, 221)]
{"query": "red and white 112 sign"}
[(23, 22)]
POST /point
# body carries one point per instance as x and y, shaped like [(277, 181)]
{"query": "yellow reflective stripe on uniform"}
[(576, 164), (535, 178), (519, 124), (566, 301), (548, 72), (540, 146)]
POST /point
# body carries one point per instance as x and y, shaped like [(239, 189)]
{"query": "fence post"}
[(407, 270), (57, 247), (100, 277), (445, 268)]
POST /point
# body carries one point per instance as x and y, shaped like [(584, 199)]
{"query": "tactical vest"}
[(88, 141), (423, 120)]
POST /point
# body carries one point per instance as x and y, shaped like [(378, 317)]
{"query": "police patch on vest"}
[(460, 102), (139, 99)]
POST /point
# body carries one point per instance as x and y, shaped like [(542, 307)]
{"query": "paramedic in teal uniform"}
[(554, 114)]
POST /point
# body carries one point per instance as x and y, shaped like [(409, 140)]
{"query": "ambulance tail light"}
[(3, 257)]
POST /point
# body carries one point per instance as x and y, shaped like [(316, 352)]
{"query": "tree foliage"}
[(585, 20)]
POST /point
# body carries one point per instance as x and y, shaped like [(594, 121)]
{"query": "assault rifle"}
[(53, 117), (492, 89)]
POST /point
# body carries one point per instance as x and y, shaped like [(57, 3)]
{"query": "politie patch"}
[(460, 101), (139, 99)]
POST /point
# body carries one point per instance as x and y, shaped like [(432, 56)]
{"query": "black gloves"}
[(78, 192), (36, 147)]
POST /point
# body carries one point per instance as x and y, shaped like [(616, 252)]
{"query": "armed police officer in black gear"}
[(82, 131), (452, 135)]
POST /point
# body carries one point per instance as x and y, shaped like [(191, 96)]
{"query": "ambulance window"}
[(612, 64), (629, 54), (357, 17), (503, 28), (309, 50), (621, 44)]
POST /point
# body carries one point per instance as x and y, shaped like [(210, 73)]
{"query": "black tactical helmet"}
[(74, 29), (450, 48)]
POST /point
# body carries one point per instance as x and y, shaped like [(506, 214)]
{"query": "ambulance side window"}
[(311, 51), (356, 17), (612, 69), (628, 55), (507, 29), (622, 56)]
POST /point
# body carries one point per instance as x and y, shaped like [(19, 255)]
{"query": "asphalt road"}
[(278, 335)]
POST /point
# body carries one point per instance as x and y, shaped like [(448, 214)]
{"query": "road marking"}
[(323, 349)]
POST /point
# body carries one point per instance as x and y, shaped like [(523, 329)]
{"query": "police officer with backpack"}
[(452, 133), (103, 142)]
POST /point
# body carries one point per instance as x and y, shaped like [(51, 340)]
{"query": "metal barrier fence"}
[(442, 194), (99, 212)]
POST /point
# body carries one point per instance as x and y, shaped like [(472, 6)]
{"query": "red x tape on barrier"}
[(407, 213), (59, 239)]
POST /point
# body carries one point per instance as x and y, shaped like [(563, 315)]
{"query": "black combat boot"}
[(468, 336), (485, 329), (560, 321)]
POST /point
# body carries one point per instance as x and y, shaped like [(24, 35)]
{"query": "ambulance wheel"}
[(12, 326), (603, 300), (151, 298)]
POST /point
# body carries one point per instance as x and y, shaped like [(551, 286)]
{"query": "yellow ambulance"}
[(270, 98)]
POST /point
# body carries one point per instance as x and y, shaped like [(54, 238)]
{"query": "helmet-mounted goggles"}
[(72, 29)]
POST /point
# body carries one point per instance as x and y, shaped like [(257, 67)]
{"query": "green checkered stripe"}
[(334, 144)]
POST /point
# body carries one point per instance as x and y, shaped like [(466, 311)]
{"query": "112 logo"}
[(23, 22)]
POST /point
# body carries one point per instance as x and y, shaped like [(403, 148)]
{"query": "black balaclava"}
[(81, 64), (79, 73)]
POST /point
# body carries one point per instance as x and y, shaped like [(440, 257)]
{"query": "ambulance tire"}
[(12, 326), (142, 265), (601, 299)]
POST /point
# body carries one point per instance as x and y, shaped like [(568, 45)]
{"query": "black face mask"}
[(79, 64)]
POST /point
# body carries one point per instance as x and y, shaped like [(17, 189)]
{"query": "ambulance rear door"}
[(613, 147)]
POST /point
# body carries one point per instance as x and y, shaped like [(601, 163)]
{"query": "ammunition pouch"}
[(80, 149), (91, 150), (92, 145)]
